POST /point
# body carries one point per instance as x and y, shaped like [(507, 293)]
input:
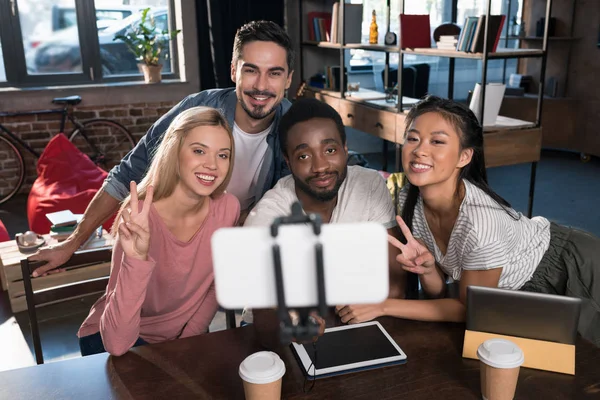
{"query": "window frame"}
[(16, 69)]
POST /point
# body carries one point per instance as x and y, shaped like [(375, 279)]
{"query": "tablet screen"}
[(350, 347)]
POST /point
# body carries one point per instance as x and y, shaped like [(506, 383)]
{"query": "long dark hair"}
[(471, 137)]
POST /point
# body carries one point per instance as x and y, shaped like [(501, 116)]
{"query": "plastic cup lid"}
[(262, 367), (500, 353)]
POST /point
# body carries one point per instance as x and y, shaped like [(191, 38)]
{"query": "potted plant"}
[(147, 43)]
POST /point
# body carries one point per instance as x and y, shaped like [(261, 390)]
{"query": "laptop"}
[(524, 314)]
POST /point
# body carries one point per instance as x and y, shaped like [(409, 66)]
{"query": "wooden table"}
[(207, 367), (12, 279)]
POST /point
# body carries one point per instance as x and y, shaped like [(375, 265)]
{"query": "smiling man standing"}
[(261, 67)]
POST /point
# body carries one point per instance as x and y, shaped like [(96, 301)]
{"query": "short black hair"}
[(264, 31), (306, 109)]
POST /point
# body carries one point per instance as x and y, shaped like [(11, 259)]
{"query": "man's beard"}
[(320, 195), (258, 112)]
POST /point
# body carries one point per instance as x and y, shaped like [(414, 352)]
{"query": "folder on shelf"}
[(466, 33), (415, 31), (493, 37), (494, 93), (353, 16)]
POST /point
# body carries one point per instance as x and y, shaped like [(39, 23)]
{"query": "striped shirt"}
[(484, 237)]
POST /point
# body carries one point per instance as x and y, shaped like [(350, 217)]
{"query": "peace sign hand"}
[(134, 229), (415, 256)]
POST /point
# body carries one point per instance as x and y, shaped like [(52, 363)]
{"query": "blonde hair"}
[(163, 172)]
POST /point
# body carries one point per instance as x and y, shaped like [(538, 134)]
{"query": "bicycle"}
[(105, 142)]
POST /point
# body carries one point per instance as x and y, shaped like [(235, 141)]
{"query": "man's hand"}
[(54, 256), (97, 212), (354, 314)]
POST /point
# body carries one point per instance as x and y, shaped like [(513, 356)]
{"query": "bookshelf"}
[(509, 141), (500, 53), (539, 38)]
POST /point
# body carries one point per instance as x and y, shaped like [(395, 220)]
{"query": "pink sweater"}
[(169, 296)]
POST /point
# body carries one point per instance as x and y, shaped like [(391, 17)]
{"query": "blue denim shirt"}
[(134, 165)]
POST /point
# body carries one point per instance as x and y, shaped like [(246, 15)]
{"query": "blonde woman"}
[(161, 283)]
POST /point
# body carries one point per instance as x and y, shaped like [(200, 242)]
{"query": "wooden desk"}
[(12, 280), (207, 367)]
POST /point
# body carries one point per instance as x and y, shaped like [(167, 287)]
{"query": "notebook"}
[(494, 33), (349, 348), (415, 31), (530, 315), (494, 94), (62, 218)]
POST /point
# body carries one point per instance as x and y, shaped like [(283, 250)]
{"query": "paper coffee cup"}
[(501, 360), (262, 373)]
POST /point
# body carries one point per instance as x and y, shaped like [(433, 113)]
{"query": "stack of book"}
[(473, 33), (447, 42), (63, 224)]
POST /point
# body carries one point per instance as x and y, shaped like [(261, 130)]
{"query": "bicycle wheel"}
[(106, 142), (12, 169)]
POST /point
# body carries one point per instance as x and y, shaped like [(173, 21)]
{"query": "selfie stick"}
[(306, 328)]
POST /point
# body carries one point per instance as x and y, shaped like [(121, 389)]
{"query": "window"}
[(73, 41), (65, 16), (115, 56), (49, 50)]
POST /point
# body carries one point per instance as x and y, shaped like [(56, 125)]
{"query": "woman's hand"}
[(354, 314), (414, 257), (134, 229)]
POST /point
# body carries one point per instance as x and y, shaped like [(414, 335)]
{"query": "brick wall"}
[(37, 130)]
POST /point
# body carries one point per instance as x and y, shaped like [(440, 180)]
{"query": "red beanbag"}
[(4, 236), (67, 180)]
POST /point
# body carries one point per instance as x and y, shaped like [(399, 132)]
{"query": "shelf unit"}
[(509, 141), (540, 38), (501, 53)]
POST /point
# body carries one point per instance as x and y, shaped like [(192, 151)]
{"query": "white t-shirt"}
[(362, 197), (484, 237), (250, 150)]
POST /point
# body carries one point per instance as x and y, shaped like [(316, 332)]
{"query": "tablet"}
[(349, 348), (529, 315)]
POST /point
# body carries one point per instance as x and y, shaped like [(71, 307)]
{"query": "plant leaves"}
[(145, 41)]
